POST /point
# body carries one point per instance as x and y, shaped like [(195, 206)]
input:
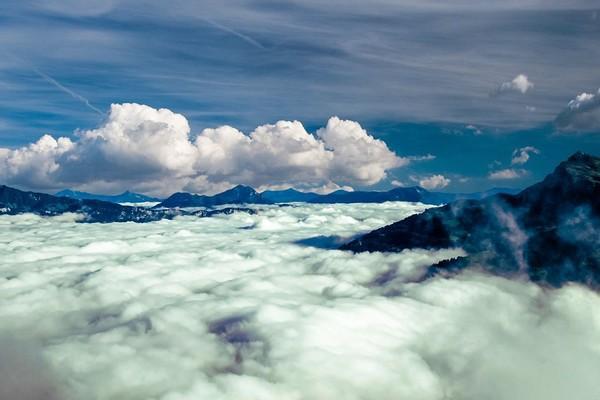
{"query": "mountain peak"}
[(546, 231), (239, 194), (241, 188), (580, 156), (582, 164), (66, 192)]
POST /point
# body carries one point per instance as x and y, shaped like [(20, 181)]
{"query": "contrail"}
[(61, 87), (245, 38), (55, 83)]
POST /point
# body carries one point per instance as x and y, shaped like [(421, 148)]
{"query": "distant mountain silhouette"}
[(125, 197), (288, 196), (246, 195), (549, 231), (14, 201), (237, 195), (413, 194)]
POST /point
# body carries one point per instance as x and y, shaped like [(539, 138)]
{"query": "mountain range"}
[(106, 208), (549, 232), (14, 201), (246, 195), (237, 195), (414, 194), (125, 197)]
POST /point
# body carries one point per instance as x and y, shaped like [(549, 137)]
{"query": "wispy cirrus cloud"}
[(234, 32), (308, 60)]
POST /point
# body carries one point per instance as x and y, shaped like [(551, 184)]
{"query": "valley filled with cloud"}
[(262, 307)]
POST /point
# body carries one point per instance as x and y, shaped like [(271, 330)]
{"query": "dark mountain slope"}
[(549, 231)]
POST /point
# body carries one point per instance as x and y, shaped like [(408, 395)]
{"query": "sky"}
[(459, 95)]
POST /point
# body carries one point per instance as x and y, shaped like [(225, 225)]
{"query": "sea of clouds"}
[(261, 307)]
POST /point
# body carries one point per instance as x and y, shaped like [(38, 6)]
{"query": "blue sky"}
[(426, 77)]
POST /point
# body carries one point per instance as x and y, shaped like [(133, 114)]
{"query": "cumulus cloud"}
[(506, 174), (582, 114), (201, 309), (150, 150), (520, 83), (521, 155), (433, 182)]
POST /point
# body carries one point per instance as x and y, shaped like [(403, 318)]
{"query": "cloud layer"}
[(236, 307), (151, 150)]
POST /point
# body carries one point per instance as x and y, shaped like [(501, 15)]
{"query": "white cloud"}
[(506, 174), (474, 129), (521, 156), (581, 100), (426, 157), (358, 156), (150, 150), (520, 83), (34, 163), (582, 114), (397, 183), (433, 182), (201, 309)]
